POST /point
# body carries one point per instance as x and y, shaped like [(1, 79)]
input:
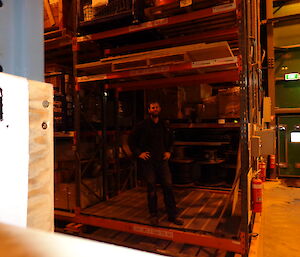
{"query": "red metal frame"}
[(196, 15), (56, 43), (213, 77), (159, 69), (231, 245), (205, 125), (201, 37)]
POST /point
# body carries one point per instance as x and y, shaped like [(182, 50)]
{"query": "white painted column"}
[(21, 38)]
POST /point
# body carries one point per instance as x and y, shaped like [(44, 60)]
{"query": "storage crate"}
[(107, 10), (229, 102), (209, 108), (229, 106), (58, 14)]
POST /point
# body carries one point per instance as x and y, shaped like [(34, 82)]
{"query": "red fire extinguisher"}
[(262, 166), (256, 195), (272, 161)]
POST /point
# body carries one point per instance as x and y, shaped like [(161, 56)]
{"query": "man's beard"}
[(154, 115)]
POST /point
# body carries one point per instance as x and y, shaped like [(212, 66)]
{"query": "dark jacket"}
[(142, 139)]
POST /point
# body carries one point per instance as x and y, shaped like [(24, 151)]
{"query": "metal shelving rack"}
[(240, 28)]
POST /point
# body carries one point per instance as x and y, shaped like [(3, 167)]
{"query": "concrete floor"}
[(279, 227)]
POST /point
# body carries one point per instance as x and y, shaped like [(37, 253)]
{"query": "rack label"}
[(224, 7), (185, 3), (160, 22), (84, 38), (142, 26), (91, 78), (149, 71), (226, 60), (153, 231), (148, 24)]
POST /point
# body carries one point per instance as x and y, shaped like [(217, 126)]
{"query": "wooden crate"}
[(41, 188), (26, 149), (58, 14)]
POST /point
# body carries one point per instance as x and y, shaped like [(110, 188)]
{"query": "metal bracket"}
[(271, 63), (283, 128), (1, 105)]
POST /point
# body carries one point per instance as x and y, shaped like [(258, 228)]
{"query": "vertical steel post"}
[(271, 59), (77, 107), (104, 94), (77, 143), (117, 139), (244, 105), (134, 180)]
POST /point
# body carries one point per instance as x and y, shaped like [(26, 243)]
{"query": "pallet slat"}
[(199, 209)]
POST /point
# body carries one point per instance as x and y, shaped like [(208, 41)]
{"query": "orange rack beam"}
[(210, 78), (216, 63), (201, 37), (231, 245)]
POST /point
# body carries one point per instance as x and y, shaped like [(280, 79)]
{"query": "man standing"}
[(151, 142)]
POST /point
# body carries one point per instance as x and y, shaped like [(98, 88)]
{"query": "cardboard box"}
[(194, 94), (229, 106), (208, 109)]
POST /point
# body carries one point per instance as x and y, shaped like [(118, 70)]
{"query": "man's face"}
[(154, 109)]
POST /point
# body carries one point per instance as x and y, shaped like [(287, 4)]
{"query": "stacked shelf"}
[(172, 63), (140, 72)]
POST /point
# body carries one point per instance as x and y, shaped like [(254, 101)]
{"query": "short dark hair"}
[(152, 102)]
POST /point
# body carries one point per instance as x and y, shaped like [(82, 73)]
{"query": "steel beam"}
[(213, 77), (215, 63), (205, 240), (244, 107), (207, 36), (271, 60)]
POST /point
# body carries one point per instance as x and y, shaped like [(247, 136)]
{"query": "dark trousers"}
[(158, 172)]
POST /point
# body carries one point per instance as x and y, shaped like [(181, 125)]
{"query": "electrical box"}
[(268, 140), (255, 146), (267, 109)]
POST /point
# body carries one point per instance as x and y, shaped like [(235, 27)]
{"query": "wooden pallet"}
[(189, 53), (199, 209), (55, 34), (57, 40), (180, 6)]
